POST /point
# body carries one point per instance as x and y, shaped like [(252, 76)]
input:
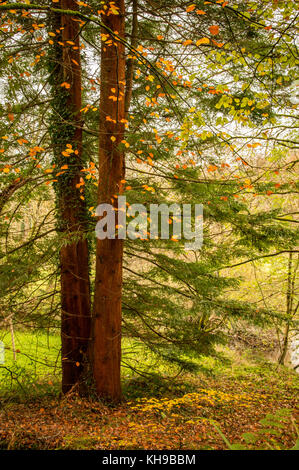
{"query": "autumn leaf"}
[(202, 41), (214, 30), (218, 44), (65, 85), (190, 8)]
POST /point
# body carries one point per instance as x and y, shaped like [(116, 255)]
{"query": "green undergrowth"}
[(36, 370)]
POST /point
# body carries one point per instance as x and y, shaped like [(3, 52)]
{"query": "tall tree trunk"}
[(66, 133), (289, 303), (106, 349), (12, 334)]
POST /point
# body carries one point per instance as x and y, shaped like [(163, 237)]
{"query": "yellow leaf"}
[(202, 41)]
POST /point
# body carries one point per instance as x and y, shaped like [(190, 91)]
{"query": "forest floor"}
[(247, 401)]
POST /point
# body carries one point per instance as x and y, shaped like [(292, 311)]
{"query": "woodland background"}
[(142, 344)]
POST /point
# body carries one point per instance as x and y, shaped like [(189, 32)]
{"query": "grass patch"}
[(36, 369)]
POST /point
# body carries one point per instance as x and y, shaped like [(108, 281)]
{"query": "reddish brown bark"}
[(75, 287), (109, 253)]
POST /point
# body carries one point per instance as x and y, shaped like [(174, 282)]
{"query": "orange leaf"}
[(218, 44), (190, 8), (214, 30), (65, 85)]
